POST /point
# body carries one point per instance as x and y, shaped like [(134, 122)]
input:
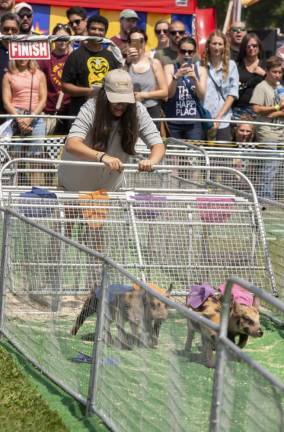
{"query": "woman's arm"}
[(7, 95), (157, 153), (42, 97), (171, 82), (76, 146), (162, 91), (201, 83), (224, 109)]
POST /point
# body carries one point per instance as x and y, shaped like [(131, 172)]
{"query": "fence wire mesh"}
[(168, 239), (248, 401), (98, 345)]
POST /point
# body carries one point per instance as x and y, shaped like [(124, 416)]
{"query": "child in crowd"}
[(270, 109)]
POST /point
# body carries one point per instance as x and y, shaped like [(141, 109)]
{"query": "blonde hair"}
[(244, 118), (32, 66), (226, 52)]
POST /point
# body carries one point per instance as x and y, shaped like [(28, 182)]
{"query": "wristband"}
[(101, 158), (277, 107)]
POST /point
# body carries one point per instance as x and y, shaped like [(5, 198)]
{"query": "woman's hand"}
[(132, 54), (113, 163), (184, 70), (145, 165), (140, 96), (25, 125)]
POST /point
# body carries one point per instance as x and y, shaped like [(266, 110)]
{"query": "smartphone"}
[(188, 62), (136, 44)]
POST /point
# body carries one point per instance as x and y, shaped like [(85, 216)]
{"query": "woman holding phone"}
[(186, 88), (147, 74)]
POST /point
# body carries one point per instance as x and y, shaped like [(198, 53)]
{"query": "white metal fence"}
[(138, 388)]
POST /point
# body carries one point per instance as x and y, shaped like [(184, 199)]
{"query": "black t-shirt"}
[(4, 60), (85, 68), (247, 83)]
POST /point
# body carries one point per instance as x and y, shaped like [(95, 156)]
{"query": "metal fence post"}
[(3, 268), (221, 359), (98, 343)]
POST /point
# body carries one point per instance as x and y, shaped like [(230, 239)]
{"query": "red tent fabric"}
[(158, 6)]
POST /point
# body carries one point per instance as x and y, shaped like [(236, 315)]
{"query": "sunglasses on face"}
[(25, 14), (13, 30), (184, 51), (252, 46), (160, 31), (177, 32), (75, 22), (238, 29), (141, 40)]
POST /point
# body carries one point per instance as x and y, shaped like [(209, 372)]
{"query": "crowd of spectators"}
[(231, 78)]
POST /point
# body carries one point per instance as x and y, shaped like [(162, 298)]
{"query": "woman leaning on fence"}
[(106, 130), (25, 92)]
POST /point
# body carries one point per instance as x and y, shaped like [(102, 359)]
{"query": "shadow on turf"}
[(269, 325), (75, 408)]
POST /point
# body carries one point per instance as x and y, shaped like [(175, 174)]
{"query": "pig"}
[(210, 309), (156, 312), (243, 322), (122, 307)]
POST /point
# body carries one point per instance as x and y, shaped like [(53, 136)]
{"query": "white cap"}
[(21, 6)]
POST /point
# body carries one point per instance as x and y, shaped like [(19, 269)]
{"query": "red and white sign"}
[(29, 50)]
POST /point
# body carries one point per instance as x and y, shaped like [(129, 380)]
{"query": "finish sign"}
[(29, 50)]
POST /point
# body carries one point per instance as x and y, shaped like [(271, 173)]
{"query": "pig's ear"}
[(256, 302)]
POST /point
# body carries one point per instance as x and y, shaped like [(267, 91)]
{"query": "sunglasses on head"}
[(160, 31), (25, 14), (184, 51), (62, 26), (75, 22), (176, 32), (238, 29)]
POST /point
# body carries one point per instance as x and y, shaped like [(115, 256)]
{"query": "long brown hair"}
[(226, 52), (103, 125)]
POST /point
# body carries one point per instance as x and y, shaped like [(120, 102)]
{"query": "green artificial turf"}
[(22, 408), (146, 389), (31, 402)]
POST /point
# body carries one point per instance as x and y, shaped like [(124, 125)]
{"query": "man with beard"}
[(25, 13), (169, 55), (6, 6), (128, 20), (237, 32)]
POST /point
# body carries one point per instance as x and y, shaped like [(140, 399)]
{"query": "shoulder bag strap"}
[(31, 93), (218, 88)]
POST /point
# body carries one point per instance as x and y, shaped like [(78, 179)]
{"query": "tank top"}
[(21, 86), (183, 103), (145, 81)]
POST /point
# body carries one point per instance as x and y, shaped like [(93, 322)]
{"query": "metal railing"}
[(138, 388)]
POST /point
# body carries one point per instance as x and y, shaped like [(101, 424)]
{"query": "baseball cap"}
[(21, 6), (118, 87), (128, 14)]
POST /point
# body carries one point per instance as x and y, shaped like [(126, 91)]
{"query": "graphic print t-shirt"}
[(183, 103), (85, 68), (53, 71)]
